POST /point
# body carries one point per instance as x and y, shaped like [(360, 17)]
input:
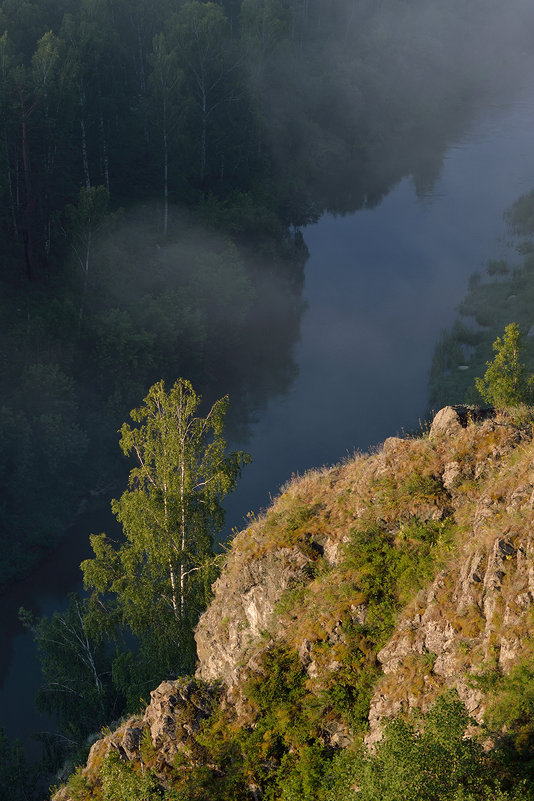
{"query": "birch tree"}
[(205, 53), (83, 222), (75, 669), (170, 514)]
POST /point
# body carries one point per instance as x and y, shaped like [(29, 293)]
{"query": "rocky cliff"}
[(366, 590)]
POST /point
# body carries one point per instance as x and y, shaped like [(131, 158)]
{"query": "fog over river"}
[(381, 284)]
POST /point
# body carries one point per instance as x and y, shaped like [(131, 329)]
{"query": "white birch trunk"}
[(85, 159), (105, 154)]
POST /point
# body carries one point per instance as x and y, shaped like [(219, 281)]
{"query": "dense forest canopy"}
[(157, 162)]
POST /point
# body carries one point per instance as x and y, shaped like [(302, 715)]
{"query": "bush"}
[(423, 759)]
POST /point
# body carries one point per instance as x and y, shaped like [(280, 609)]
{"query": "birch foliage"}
[(159, 577)]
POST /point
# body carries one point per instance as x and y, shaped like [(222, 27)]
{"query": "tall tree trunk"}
[(165, 186), (12, 206), (165, 170), (85, 159), (203, 136), (105, 153), (85, 267), (29, 211), (183, 540)]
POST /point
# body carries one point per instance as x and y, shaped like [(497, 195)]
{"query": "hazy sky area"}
[(381, 285)]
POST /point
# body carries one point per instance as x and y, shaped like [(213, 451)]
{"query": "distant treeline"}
[(249, 117)]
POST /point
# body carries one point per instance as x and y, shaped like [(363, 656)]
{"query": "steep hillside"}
[(365, 592)]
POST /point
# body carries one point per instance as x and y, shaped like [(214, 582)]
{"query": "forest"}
[(159, 163)]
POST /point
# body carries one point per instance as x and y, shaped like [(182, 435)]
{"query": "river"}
[(381, 284)]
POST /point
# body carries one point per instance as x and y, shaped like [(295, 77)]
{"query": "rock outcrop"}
[(174, 714), (247, 593), (472, 615), (458, 504)]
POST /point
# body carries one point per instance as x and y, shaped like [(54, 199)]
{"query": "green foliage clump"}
[(423, 760), (391, 566), (505, 382), (157, 581), (16, 777), (121, 783), (511, 707)]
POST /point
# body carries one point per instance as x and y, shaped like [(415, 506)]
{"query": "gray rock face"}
[(449, 420), (469, 618), (446, 423), (245, 598), (175, 712), (473, 612)]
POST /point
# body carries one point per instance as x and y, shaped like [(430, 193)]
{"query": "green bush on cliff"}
[(424, 758)]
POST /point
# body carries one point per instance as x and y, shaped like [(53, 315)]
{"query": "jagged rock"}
[(449, 420), (304, 653), (475, 612), (242, 608), (446, 423), (359, 613), (175, 712), (480, 608), (337, 734), (332, 551), (130, 742), (450, 474)]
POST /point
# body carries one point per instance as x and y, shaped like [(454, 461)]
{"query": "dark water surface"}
[(381, 284)]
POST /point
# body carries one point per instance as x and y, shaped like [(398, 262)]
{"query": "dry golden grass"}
[(397, 484)]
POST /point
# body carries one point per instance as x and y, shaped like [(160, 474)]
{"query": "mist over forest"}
[(159, 163), (127, 124)]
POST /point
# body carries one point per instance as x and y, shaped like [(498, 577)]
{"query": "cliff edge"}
[(365, 591)]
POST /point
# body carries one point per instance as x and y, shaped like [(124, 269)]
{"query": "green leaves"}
[(505, 382), (76, 670), (170, 514), (420, 760)]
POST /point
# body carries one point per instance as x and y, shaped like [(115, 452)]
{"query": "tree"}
[(17, 779), (170, 514), (84, 220), (165, 81), (76, 671), (505, 382), (206, 54)]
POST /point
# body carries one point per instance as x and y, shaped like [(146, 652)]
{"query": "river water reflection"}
[(381, 284)]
